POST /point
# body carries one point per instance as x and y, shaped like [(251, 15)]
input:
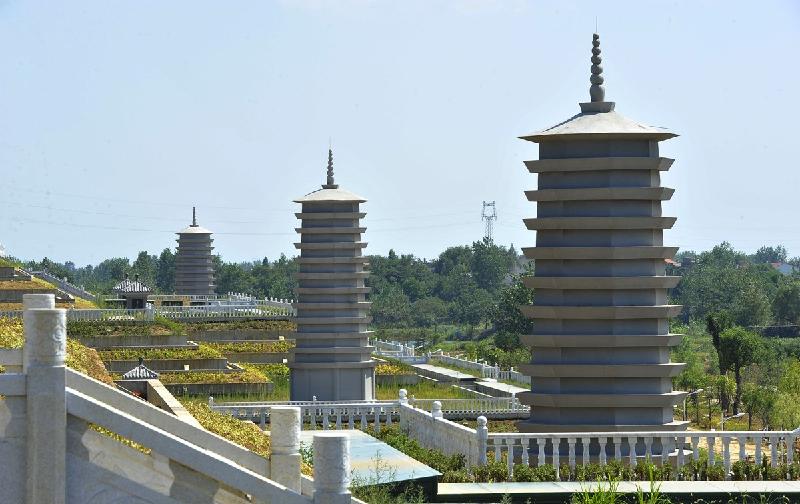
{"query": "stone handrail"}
[(432, 430), (51, 393), (393, 348), (172, 312), (170, 445), (65, 285), (663, 446), (477, 405), (325, 414)]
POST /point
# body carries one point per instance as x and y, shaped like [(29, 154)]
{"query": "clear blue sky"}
[(116, 117)]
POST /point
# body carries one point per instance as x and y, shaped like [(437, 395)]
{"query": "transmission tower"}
[(489, 215)]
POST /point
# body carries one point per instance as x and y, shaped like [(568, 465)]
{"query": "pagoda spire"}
[(596, 91), (330, 183), (194, 217)]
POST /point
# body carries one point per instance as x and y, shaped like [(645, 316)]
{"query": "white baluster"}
[(726, 454), (648, 448), (541, 444), (585, 457), (711, 456), (510, 455), (617, 449), (773, 440), (632, 450), (603, 443), (759, 457), (695, 449), (571, 452)]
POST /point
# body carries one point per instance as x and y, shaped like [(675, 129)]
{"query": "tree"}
[(428, 312), (472, 307), (738, 349), (165, 273), (770, 254), (786, 304), (758, 401), (786, 412), (391, 308), (146, 266), (716, 324), (506, 317), (490, 265)]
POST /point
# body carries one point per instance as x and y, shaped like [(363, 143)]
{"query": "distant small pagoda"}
[(332, 359), (194, 267), (601, 334)]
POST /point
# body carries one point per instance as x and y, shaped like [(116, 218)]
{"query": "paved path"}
[(498, 389), (442, 374), (365, 451)]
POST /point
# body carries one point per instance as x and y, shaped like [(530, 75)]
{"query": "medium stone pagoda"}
[(332, 359), (601, 339), (194, 266)]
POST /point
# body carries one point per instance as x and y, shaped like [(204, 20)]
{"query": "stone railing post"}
[(285, 441), (34, 301), (483, 439), (403, 403), (436, 409), (46, 343), (331, 468)]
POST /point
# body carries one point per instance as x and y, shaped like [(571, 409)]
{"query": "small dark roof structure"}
[(128, 286), (140, 372)]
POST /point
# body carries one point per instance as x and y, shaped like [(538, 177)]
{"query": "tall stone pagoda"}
[(194, 267), (332, 358), (601, 339)]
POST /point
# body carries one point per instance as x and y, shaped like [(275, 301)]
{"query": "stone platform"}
[(498, 389), (395, 466), (442, 374)]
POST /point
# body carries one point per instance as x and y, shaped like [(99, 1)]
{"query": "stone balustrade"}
[(675, 448), (211, 312), (46, 411)]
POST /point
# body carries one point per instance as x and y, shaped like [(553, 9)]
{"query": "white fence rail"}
[(352, 414), (483, 368), (319, 415), (678, 448), (220, 312), (628, 447), (393, 348)]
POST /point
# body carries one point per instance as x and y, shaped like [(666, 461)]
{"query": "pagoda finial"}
[(330, 183), (194, 217), (596, 92)]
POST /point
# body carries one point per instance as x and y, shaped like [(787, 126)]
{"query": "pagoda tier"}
[(601, 341), (332, 357), (194, 266)]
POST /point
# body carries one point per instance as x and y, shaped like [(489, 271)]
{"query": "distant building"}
[(784, 268), (194, 264), (131, 294)]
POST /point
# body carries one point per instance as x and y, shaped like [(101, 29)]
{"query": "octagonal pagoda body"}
[(601, 340), (194, 264), (332, 357)]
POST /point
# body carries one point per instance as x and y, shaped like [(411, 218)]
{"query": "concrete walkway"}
[(366, 453), (442, 374), (560, 491), (497, 389)]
